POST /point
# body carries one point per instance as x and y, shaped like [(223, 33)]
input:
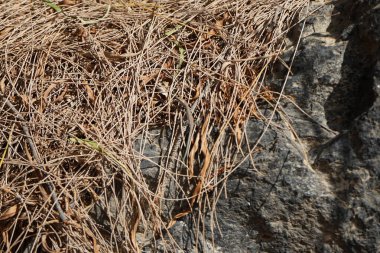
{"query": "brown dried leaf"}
[(133, 232), (193, 150), (206, 163), (147, 78), (171, 223), (5, 31), (96, 246), (25, 99), (209, 34), (2, 85), (44, 194), (44, 244), (238, 134), (89, 91), (9, 213), (219, 24), (176, 217), (88, 232), (48, 90), (182, 214), (5, 236), (68, 2), (40, 71)]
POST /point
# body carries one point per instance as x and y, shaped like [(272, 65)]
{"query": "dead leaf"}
[(88, 232), (44, 243), (5, 31), (40, 71), (181, 214), (168, 64), (219, 24), (6, 189), (95, 245), (82, 33), (147, 78), (5, 237), (9, 213), (176, 217), (68, 2), (49, 223), (238, 134), (93, 194), (2, 85), (133, 232), (44, 194), (211, 33), (171, 223), (193, 150), (89, 91), (25, 100), (46, 246), (206, 162), (197, 92)]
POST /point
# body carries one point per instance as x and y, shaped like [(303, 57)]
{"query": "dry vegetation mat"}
[(86, 87)]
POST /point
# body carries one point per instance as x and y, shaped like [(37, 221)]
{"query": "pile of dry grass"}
[(79, 87)]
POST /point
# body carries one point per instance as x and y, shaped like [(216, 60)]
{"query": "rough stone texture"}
[(317, 188)]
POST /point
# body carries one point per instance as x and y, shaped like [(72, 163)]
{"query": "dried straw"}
[(89, 81)]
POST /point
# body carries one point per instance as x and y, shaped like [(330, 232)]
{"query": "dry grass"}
[(87, 92)]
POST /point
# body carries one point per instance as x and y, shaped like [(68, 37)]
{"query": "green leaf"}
[(181, 56), (53, 6), (89, 143), (172, 31)]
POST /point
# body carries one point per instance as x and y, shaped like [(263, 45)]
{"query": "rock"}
[(317, 190)]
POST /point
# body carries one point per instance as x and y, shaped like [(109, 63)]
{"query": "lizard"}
[(189, 116)]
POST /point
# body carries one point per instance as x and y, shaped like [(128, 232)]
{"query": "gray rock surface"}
[(317, 190), (315, 184)]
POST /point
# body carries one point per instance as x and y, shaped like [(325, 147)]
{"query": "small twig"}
[(33, 148)]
